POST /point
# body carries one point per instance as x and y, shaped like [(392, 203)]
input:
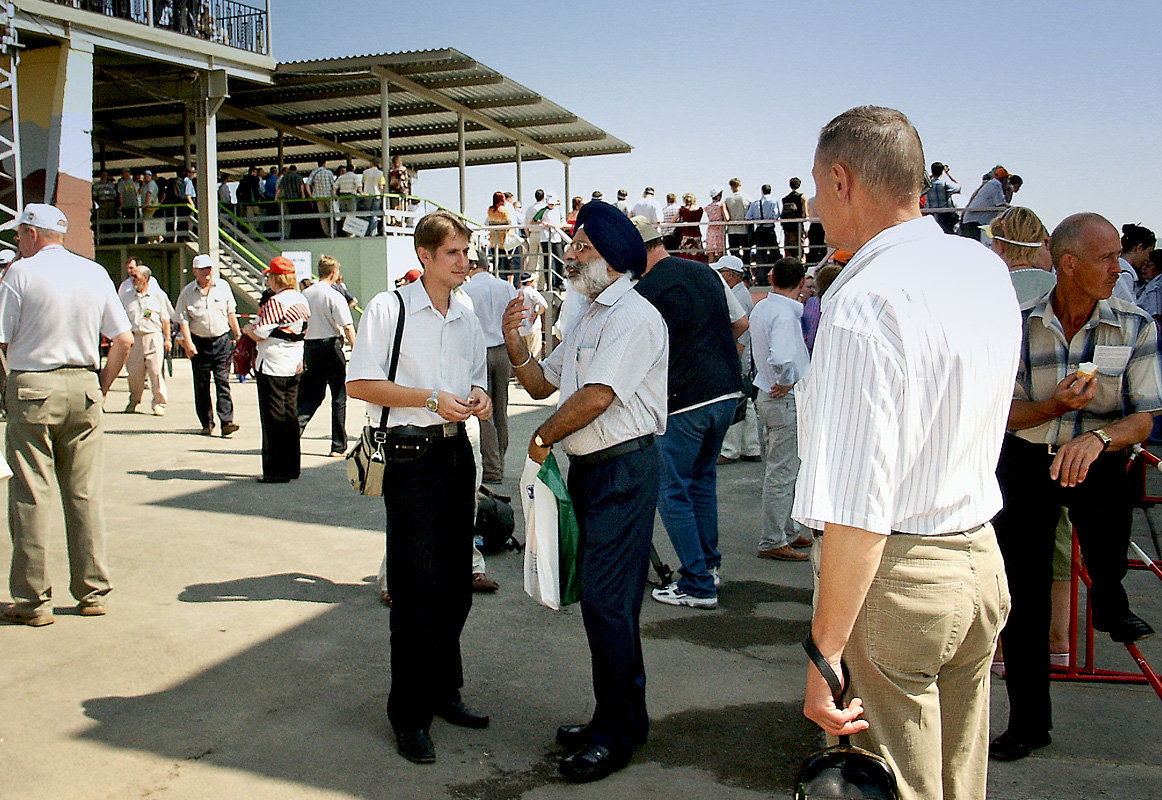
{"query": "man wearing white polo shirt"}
[(54, 308)]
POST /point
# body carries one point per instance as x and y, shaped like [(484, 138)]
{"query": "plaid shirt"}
[(322, 182), (1046, 360)]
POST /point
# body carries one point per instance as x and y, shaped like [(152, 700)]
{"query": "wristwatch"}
[(539, 442), (433, 401), (1105, 438)]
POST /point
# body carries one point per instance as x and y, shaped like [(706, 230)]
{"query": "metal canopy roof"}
[(137, 116)]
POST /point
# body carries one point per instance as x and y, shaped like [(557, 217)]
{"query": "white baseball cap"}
[(733, 263), (39, 215), (203, 262)]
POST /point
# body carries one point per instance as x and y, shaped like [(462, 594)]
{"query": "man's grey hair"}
[(881, 148), (1069, 235), (143, 271), (52, 234)]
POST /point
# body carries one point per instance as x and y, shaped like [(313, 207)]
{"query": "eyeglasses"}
[(580, 247)]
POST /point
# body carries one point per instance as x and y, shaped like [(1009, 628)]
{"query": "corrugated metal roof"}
[(338, 99)]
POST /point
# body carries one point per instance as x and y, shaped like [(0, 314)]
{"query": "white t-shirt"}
[(329, 311), (370, 180), (647, 208), (54, 308)]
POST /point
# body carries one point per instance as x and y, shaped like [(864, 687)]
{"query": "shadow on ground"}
[(737, 626), (285, 586)]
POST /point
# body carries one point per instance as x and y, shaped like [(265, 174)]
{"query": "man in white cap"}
[(54, 308), (206, 313), (551, 239), (742, 438), (149, 315)]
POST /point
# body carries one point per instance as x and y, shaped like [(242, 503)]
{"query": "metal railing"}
[(227, 22)]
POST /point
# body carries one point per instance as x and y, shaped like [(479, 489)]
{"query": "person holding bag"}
[(420, 393)]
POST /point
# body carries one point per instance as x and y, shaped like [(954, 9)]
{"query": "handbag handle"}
[(394, 354), (837, 688)]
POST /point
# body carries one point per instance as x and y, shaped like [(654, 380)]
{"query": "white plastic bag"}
[(542, 568)]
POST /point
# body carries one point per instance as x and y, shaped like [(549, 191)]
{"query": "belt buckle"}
[(449, 430)]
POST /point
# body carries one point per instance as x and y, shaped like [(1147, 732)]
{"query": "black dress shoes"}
[(415, 746), (1130, 628), (1010, 746), (272, 480), (459, 714), (573, 737), (593, 763)]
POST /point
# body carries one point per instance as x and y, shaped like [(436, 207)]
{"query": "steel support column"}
[(461, 162)]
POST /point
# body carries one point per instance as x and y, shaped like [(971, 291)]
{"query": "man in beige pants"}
[(148, 310), (900, 425), (54, 307)]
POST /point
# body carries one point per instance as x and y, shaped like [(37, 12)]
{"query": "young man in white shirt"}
[(440, 381), (781, 361), (324, 365)]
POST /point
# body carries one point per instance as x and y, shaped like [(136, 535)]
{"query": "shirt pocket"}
[(584, 361), (1108, 399), (36, 405)]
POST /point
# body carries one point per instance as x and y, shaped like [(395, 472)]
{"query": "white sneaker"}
[(159, 411), (673, 596), (717, 578)]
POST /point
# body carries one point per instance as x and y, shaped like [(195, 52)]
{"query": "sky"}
[(1063, 93)]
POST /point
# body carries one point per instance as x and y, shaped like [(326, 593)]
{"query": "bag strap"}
[(394, 353), (837, 689)]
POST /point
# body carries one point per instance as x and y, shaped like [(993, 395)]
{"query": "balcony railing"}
[(223, 21)]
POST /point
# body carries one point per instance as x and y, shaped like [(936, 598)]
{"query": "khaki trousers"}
[(146, 357), (919, 656), (54, 437)]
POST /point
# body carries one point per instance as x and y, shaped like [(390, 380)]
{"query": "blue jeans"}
[(688, 494)]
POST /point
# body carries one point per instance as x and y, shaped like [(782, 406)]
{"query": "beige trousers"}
[(54, 438), (919, 656), (146, 357)]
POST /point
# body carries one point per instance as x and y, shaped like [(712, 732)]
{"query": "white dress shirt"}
[(146, 310), (126, 292), (620, 342), (646, 207), (437, 352), (54, 308), (490, 296), (902, 414), (780, 352)]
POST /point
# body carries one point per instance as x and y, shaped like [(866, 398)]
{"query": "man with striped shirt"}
[(900, 424), (1068, 443)]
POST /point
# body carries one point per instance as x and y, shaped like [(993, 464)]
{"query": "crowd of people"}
[(928, 441)]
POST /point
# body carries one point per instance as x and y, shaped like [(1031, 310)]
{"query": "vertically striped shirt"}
[(621, 342), (1119, 336), (902, 414)]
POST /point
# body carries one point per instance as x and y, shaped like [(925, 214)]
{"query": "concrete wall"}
[(56, 122), (369, 265)]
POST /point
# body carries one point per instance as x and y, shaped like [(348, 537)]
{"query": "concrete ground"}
[(245, 654)]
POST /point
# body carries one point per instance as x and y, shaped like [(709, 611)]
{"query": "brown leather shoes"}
[(802, 543), (32, 619), (483, 583), (784, 553)]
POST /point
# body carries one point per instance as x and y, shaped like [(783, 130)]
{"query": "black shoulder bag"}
[(842, 772), (366, 461)]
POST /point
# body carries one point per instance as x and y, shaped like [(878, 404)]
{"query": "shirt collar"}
[(1103, 314), (794, 305), (615, 291), (917, 229), (420, 300)]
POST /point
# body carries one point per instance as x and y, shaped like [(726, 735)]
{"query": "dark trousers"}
[(212, 360), (1100, 510), (615, 502), (278, 413), (429, 505), (494, 431), (970, 230), (947, 221), (739, 245), (793, 240), (325, 368), (766, 245)]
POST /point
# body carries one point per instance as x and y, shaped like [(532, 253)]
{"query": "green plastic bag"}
[(568, 532)]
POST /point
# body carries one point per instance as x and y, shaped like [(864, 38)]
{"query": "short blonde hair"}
[(1019, 235), (328, 266), (689, 198), (284, 281)]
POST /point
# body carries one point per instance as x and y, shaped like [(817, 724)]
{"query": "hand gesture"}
[(1074, 393), (481, 403)]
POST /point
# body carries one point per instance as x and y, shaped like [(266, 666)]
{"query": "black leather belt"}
[(448, 430), (620, 449)]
